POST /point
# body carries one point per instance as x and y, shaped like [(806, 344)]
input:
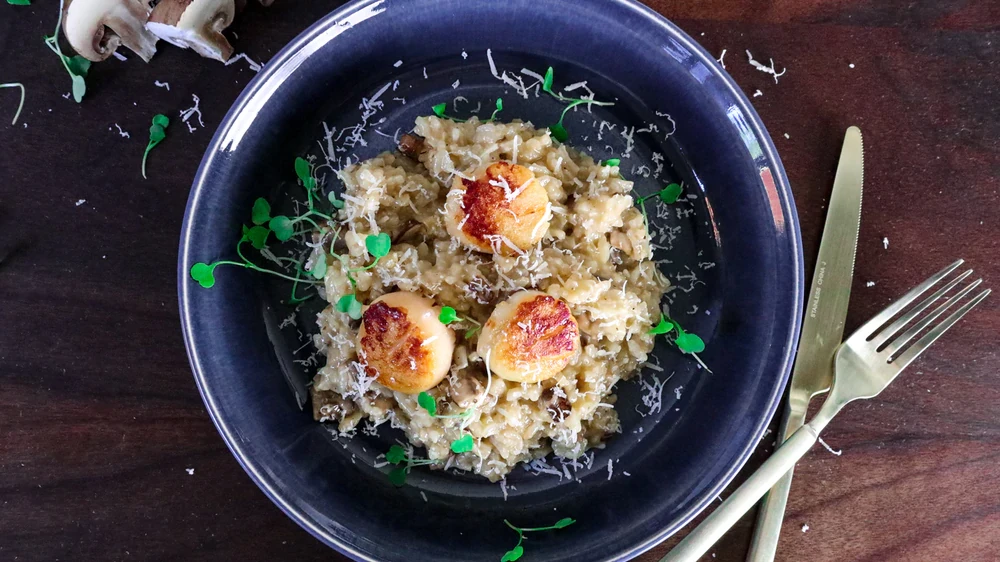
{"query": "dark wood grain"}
[(100, 417)]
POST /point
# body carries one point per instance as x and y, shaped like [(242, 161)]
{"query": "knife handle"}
[(772, 510)]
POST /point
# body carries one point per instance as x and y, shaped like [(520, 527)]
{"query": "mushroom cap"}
[(95, 28), (195, 25)]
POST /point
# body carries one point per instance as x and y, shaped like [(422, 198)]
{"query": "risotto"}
[(499, 226)]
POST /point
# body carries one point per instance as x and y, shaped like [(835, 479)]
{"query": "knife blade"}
[(822, 328)]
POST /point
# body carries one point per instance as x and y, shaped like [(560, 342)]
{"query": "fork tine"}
[(909, 334), (889, 332), (923, 343), (875, 324)]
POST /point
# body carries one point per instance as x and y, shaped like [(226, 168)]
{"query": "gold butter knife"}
[(822, 328)]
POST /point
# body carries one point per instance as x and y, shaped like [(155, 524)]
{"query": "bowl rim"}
[(275, 69)]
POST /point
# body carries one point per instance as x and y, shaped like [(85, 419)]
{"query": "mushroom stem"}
[(195, 24), (95, 28)]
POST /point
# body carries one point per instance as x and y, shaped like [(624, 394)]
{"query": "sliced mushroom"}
[(195, 25), (411, 145), (95, 28)]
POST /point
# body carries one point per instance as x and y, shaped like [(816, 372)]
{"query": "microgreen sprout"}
[(76, 66), (518, 550), (283, 227), (396, 455), (611, 162), (496, 111), (19, 2), (16, 85), (449, 315), (439, 110), (462, 445), (378, 245), (429, 404), (668, 195), (558, 130), (685, 341), (157, 132)]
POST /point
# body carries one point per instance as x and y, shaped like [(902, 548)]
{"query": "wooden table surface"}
[(100, 421)]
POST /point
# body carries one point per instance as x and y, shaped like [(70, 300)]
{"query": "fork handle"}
[(771, 514), (745, 497)]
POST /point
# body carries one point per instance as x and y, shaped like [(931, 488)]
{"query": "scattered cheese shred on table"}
[(766, 69)]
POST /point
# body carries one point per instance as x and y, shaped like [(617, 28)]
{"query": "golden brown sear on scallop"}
[(402, 342), (529, 337), (503, 210)]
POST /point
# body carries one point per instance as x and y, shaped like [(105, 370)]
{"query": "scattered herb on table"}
[(559, 130), (449, 315), (20, 105), (76, 66), (518, 550), (157, 132)]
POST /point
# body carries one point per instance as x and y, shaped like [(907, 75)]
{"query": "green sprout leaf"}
[(559, 132), (378, 244), (319, 268), (513, 554), (612, 162), (662, 328), (303, 169), (398, 476), (396, 454), (463, 445), (157, 132), (349, 305), (337, 203), (261, 212), (202, 273), (562, 523), (78, 65), (670, 193), (438, 109), (427, 402), (547, 81), (472, 331), (258, 236), (282, 226), (19, 2), (497, 110), (690, 343), (447, 315)]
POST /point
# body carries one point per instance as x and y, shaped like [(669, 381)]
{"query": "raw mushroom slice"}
[(95, 28), (529, 337), (503, 210), (402, 342), (195, 24)]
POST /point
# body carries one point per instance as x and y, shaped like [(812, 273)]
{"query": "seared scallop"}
[(529, 337), (503, 210), (402, 342)]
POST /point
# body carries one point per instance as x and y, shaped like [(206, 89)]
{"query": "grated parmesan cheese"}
[(766, 69)]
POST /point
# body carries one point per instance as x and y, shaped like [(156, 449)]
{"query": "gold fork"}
[(865, 364)]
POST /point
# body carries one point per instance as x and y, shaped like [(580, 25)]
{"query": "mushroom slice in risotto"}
[(529, 337), (503, 210), (402, 342)]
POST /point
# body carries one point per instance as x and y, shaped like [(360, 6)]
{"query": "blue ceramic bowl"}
[(734, 253)]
